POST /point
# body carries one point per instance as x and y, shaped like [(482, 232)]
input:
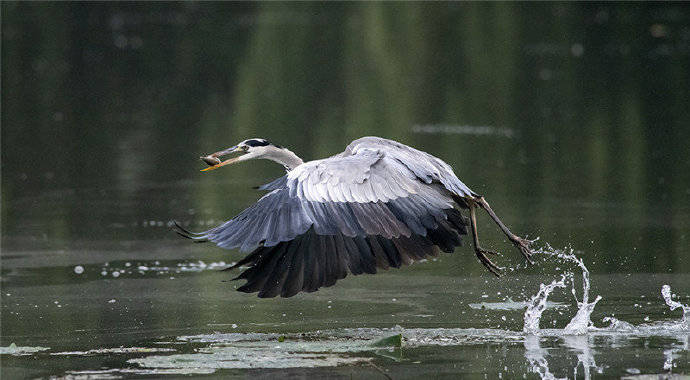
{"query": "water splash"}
[(684, 324), (537, 305), (618, 325), (578, 332), (661, 328), (581, 322)]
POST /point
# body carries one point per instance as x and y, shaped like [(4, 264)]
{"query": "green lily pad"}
[(391, 341)]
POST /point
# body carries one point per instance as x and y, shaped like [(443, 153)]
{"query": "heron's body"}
[(378, 204)]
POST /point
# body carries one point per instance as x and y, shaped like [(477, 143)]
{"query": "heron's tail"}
[(185, 233)]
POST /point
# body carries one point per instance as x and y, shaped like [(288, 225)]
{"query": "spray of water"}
[(618, 325), (537, 305), (579, 324), (684, 323)]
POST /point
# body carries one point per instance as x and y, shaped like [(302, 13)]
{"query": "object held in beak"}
[(210, 160), (214, 162)]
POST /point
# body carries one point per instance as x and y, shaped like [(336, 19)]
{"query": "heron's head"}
[(248, 149)]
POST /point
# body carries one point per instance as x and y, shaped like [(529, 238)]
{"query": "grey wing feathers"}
[(364, 209), (425, 166)]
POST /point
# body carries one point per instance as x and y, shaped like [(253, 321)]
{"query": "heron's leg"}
[(520, 243), (481, 253)]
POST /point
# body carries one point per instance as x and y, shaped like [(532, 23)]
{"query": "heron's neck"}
[(285, 157)]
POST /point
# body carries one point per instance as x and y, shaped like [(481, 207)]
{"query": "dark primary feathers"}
[(376, 205)]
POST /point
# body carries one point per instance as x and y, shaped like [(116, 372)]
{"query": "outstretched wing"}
[(354, 212)]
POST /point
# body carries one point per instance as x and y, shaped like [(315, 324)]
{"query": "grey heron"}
[(378, 204)]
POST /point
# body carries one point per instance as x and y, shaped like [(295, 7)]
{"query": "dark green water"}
[(572, 119)]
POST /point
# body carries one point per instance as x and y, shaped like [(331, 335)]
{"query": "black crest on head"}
[(259, 142)]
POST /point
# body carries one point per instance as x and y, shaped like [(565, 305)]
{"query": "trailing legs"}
[(521, 244)]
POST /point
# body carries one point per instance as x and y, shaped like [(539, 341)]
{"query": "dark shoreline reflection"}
[(116, 98)]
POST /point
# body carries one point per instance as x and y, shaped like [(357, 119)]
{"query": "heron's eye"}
[(245, 148)]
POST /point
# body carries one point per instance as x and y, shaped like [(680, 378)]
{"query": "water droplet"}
[(577, 50)]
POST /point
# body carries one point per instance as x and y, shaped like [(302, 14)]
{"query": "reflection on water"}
[(570, 118), (536, 356), (675, 354), (582, 346)]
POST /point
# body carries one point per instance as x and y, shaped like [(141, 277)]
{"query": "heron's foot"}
[(490, 266), (523, 246)]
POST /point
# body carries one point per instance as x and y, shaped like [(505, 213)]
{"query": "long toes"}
[(490, 266), (527, 254), (523, 246), (493, 268)]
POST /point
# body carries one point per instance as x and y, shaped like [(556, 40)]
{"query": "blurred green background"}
[(571, 118)]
